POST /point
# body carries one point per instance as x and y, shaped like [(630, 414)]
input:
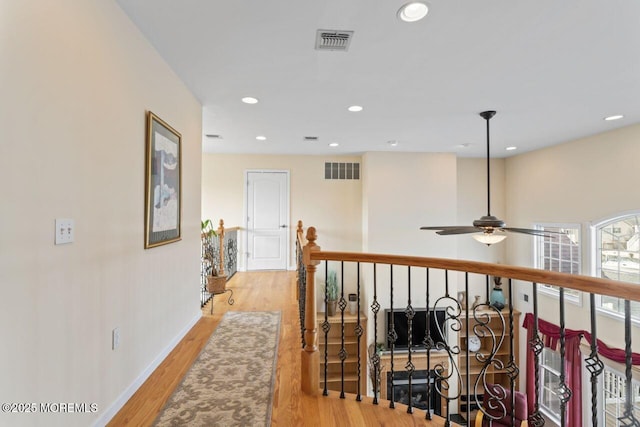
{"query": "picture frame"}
[(163, 183)]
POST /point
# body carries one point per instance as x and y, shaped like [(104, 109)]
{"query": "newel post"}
[(310, 375), (221, 241)]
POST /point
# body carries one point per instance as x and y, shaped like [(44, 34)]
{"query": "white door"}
[(267, 220)]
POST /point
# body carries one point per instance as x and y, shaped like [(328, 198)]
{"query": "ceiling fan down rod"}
[(487, 115)]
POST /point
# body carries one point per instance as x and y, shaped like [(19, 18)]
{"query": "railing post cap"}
[(310, 246), (311, 235)]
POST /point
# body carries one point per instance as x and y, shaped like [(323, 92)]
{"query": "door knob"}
[(283, 226)]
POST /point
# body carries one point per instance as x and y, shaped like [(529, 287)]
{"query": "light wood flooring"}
[(262, 291)]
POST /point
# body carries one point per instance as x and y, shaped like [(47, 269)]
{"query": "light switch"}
[(65, 229)]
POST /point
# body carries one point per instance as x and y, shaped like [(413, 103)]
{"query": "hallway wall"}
[(76, 80)]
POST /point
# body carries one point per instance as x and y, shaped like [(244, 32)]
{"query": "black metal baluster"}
[(359, 332), (428, 343), (593, 362), (512, 367), (342, 304), (468, 362), (564, 392), (487, 290), (536, 419), (392, 335), (447, 419), (375, 308), (326, 327), (628, 419), (410, 313)]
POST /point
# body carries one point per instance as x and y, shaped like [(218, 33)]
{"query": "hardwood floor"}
[(263, 291)]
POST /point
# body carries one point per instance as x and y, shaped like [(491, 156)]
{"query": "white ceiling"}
[(552, 69)]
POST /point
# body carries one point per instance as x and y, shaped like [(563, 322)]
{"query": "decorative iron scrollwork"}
[(493, 396)]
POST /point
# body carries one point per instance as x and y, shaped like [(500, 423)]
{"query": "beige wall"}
[(76, 79), (332, 206), (580, 182)]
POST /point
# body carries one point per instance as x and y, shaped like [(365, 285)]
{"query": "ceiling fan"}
[(489, 228)]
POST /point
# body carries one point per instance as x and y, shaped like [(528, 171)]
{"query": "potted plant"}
[(331, 292), (216, 283)]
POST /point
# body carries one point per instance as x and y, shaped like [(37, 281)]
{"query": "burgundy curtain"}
[(550, 335)]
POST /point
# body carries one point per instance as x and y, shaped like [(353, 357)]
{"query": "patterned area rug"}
[(231, 382)]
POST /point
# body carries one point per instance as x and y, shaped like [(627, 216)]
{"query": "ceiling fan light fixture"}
[(413, 11), (489, 238)]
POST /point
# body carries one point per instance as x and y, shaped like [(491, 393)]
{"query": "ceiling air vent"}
[(310, 139), (333, 40)]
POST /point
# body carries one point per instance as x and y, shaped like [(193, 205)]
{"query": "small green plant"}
[(332, 286), (206, 228)]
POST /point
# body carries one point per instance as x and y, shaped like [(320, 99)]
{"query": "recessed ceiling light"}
[(393, 143), (413, 11), (261, 138), (333, 144), (250, 100), (616, 117), (511, 148), (355, 108), (465, 145)]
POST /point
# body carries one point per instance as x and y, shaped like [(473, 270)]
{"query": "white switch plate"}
[(65, 230), (115, 338)]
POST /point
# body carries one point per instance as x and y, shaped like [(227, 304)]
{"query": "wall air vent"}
[(334, 170), (333, 40), (213, 136), (310, 138)]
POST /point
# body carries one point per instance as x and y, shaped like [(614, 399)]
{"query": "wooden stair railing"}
[(312, 256)]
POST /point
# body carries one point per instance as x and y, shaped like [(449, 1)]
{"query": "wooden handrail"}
[(589, 284)]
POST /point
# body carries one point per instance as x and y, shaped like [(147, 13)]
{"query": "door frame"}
[(245, 214)]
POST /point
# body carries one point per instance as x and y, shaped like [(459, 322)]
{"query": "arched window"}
[(617, 257)]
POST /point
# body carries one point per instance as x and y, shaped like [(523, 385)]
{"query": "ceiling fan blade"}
[(531, 231), (459, 230), (443, 227)]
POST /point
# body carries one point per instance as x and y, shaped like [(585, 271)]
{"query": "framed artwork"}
[(163, 183)]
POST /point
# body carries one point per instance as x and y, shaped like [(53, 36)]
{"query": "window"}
[(549, 382), (617, 257), (559, 251), (614, 397)]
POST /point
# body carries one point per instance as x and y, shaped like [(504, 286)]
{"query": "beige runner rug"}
[(231, 382)]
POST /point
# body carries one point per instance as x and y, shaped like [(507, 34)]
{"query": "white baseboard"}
[(113, 409)]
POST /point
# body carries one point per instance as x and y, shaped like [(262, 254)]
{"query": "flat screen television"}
[(418, 327)]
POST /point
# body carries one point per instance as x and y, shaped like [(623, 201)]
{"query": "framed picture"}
[(163, 183)]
